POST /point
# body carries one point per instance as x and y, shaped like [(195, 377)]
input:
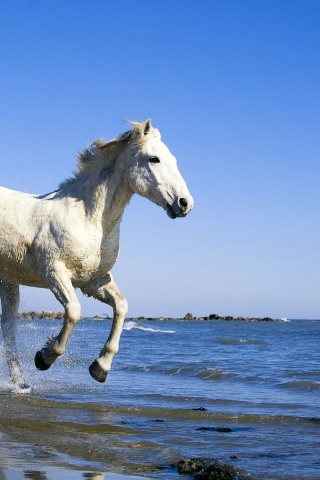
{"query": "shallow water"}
[(257, 385)]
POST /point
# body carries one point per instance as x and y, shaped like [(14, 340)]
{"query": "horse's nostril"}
[(183, 203)]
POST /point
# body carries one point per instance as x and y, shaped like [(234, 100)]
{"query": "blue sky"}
[(234, 88)]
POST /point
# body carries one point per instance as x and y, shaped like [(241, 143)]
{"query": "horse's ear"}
[(146, 126)]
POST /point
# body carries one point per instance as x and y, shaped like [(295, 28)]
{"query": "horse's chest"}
[(108, 254), (96, 260)]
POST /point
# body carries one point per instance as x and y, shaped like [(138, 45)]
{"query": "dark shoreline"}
[(51, 315), (213, 317)]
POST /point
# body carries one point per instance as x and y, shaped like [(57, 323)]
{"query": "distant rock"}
[(211, 469), (50, 315), (214, 316), (266, 319)]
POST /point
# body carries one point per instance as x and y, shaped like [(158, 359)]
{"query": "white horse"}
[(70, 238)]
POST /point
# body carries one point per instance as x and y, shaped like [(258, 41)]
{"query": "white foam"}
[(6, 386), (133, 325)]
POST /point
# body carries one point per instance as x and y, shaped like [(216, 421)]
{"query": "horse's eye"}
[(154, 160)]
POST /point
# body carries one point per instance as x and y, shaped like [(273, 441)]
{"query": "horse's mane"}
[(102, 151)]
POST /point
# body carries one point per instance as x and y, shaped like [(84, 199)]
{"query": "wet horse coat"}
[(70, 238)]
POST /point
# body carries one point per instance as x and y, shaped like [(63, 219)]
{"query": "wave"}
[(208, 374), (188, 371), (227, 341), (302, 384), (133, 325), (236, 341), (30, 325), (181, 369)]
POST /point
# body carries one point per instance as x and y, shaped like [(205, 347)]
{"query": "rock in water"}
[(211, 469)]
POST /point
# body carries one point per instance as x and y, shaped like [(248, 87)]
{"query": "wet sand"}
[(21, 461)]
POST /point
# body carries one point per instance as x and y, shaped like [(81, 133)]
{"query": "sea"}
[(241, 392)]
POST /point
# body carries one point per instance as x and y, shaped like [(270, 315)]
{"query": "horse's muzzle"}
[(180, 208)]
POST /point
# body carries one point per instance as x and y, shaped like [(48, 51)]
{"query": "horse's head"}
[(153, 171)]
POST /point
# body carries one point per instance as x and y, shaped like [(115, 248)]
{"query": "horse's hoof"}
[(97, 373), (39, 362), (24, 386)]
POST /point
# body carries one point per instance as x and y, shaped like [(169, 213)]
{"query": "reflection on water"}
[(35, 475), (41, 475)]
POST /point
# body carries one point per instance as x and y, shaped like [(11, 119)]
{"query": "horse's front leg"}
[(107, 291), (59, 282)]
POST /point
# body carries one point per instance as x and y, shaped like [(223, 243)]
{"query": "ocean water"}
[(245, 393)]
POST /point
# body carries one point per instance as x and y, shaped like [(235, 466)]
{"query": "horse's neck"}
[(106, 197)]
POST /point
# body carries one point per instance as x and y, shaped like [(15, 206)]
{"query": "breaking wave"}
[(130, 325), (209, 374)]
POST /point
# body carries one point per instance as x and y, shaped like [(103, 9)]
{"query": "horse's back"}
[(17, 233), (16, 212)]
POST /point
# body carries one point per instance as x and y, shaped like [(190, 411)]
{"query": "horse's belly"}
[(17, 272)]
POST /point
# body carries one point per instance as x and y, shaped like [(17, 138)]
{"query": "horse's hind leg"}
[(10, 302), (59, 283)]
